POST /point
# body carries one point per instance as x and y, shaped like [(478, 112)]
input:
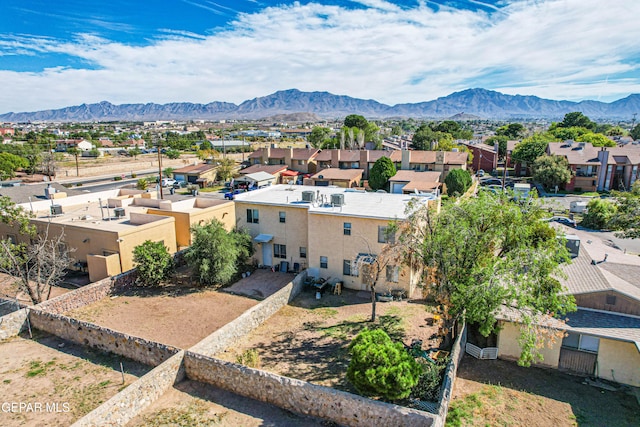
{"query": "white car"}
[(168, 182)]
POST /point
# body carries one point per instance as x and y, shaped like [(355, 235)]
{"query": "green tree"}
[(483, 254), (355, 121), (75, 152), (135, 152), (172, 153), (318, 136), (153, 262), (381, 368), (226, 169), (577, 119), (458, 182), (511, 131), (216, 254), (599, 214), (501, 140), (142, 184), (596, 139), (531, 148), (382, 170), (627, 218), (635, 132), (206, 145), (551, 171), (423, 137), (9, 164)]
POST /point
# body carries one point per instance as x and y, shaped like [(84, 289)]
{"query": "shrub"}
[(428, 386), (153, 261), (249, 358), (379, 367), (599, 214), (117, 178), (458, 182)]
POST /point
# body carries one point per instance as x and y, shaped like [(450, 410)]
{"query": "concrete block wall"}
[(134, 399), (300, 396), (13, 323), (91, 335), (219, 340)]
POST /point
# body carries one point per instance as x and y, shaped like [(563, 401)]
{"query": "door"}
[(267, 254)]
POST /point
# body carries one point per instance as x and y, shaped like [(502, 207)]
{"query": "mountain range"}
[(482, 103)]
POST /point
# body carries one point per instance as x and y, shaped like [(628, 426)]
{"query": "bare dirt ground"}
[(9, 289), (308, 339), (191, 403), (171, 314), (48, 370), (498, 392)]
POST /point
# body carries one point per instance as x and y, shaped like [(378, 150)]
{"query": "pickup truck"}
[(231, 194)]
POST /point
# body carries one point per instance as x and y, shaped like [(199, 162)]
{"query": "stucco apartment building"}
[(602, 338), (102, 229), (331, 231)]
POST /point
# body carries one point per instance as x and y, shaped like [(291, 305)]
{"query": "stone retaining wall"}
[(219, 340), (457, 352), (91, 335), (78, 297), (13, 323), (134, 399), (300, 396)]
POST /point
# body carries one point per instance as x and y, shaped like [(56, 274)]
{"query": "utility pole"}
[(159, 146)]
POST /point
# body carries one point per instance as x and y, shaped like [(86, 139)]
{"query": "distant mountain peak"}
[(474, 102)]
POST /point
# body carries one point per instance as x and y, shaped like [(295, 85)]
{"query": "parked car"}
[(180, 184), (231, 194), (168, 182), (562, 220)]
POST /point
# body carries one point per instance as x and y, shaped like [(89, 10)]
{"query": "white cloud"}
[(558, 49)]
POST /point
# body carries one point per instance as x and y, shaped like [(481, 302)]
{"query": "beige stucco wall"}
[(508, 347), (292, 233), (326, 237), (619, 361)]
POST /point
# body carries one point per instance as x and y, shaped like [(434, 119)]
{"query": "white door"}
[(266, 254)]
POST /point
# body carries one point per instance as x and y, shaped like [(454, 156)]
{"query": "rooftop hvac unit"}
[(573, 245), (337, 199), (56, 210), (308, 196), (119, 212)]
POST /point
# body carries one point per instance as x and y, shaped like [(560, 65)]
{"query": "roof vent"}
[(337, 199), (56, 210), (119, 212), (308, 196)]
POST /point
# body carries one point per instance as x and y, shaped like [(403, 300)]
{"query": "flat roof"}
[(356, 203)]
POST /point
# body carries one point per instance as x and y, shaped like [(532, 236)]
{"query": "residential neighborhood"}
[(350, 237)]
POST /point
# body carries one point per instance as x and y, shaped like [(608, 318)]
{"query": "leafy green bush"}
[(599, 214), (428, 387), (249, 358), (379, 367), (153, 261), (458, 182)]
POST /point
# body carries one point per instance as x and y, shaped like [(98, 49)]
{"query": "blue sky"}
[(67, 52)]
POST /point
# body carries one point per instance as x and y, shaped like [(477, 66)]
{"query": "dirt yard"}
[(308, 339), (173, 315), (70, 379), (497, 392), (192, 403)]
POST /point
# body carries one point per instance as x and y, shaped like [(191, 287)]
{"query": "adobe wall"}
[(91, 335), (300, 396), (134, 399), (249, 320)]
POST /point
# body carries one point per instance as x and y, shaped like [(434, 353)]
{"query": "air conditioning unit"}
[(308, 196), (119, 212), (337, 199), (56, 210)]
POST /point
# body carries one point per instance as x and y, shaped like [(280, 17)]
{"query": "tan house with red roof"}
[(405, 182), (298, 159), (200, 174), (345, 178)]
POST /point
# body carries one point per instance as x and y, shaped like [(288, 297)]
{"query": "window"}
[(347, 229), (581, 342), (252, 216), (279, 251), (384, 236), (611, 299), (324, 262), (303, 252), (346, 267), (283, 217), (392, 273), (300, 162)]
